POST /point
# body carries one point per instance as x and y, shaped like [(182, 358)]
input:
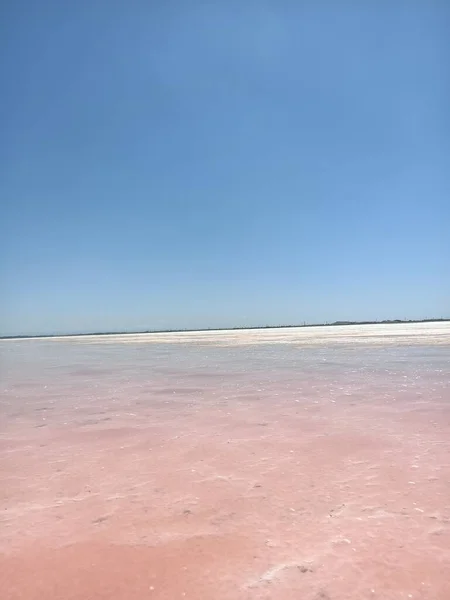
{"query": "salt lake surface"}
[(306, 464)]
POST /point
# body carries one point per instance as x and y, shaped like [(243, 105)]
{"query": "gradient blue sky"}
[(190, 164)]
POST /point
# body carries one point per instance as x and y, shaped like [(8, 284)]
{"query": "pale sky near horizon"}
[(191, 164)]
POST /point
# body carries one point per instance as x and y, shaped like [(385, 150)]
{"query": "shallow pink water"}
[(156, 471)]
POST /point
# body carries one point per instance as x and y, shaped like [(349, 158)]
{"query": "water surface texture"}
[(306, 464)]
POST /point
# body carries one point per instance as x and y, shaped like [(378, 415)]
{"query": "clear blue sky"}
[(190, 164)]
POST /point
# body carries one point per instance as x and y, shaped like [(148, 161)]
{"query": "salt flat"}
[(409, 333), (308, 463)]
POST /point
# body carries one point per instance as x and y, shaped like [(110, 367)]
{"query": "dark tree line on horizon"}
[(335, 323)]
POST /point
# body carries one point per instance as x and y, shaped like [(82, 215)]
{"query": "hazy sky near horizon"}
[(190, 164)]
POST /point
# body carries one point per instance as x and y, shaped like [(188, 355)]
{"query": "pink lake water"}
[(206, 467)]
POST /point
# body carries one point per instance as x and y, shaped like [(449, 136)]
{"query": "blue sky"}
[(191, 164)]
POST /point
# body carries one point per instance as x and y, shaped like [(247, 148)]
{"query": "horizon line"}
[(237, 328)]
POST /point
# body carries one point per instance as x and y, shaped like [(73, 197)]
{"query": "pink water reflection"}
[(256, 472)]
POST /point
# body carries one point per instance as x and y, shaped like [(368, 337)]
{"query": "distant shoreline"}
[(260, 327)]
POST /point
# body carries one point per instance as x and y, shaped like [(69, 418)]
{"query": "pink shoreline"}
[(323, 486)]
